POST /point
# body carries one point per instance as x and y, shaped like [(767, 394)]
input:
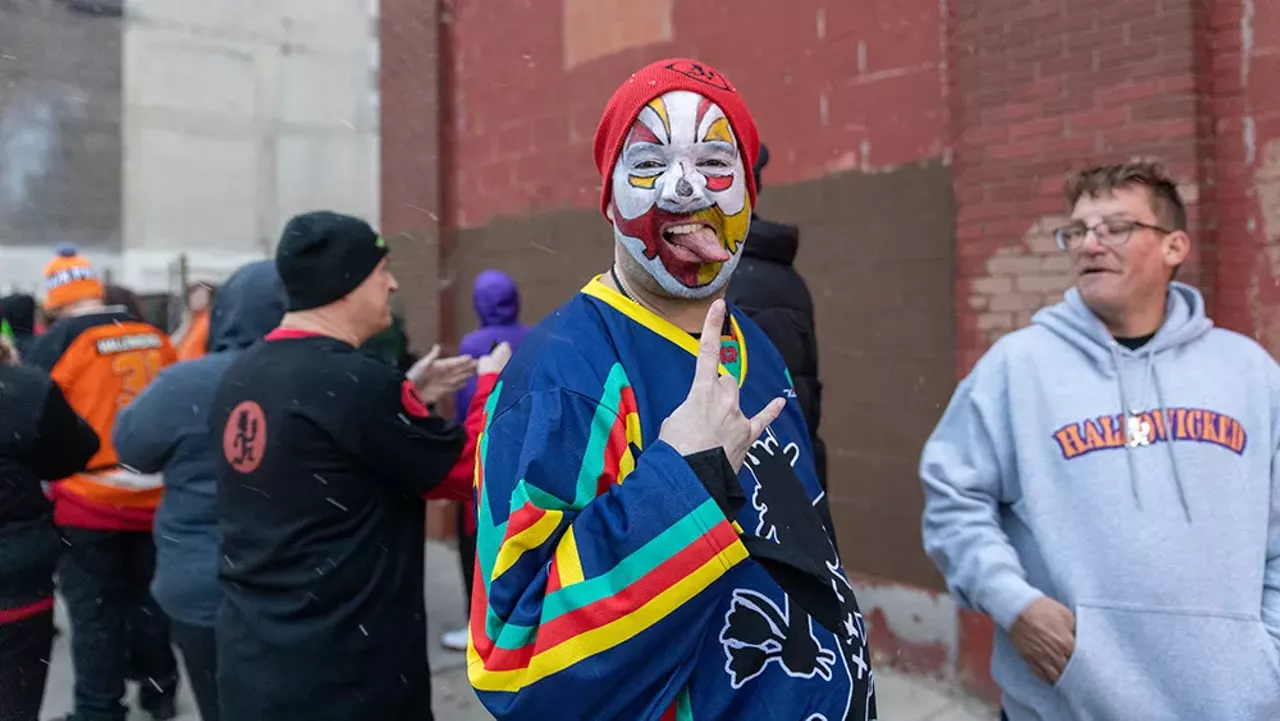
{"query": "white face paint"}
[(680, 204)]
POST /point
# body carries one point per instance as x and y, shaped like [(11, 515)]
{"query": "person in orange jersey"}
[(101, 357), (191, 339)]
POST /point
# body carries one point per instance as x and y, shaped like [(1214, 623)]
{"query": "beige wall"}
[(235, 115)]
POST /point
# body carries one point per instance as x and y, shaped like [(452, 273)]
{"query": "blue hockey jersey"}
[(612, 585)]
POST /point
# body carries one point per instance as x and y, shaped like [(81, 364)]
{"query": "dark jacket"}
[(20, 310), (325, 457), (767, 287), (497, 302), (392, 345), (166, 430), (41, 438)]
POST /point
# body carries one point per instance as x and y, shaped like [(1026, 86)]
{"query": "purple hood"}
[(497, 303), (496, 298)]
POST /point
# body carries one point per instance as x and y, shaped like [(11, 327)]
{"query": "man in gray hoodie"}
[(1104, 484)]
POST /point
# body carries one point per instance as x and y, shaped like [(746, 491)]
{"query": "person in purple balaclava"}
[(497, 304)]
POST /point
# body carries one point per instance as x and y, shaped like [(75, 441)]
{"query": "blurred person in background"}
[(392, 345), (166, 430), (119, 295), (326, 456), (1105, 483), (102, 356), (768, 289), (191, 339), (496, 300), (19, 311), (41, 438)]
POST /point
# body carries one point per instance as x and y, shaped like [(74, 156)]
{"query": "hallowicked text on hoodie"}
[(1137, 487)]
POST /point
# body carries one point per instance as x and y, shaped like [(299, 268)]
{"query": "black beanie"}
[(323, 256)]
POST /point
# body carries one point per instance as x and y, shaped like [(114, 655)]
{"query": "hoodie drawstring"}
[(1130, 410), (1173, 457), (1124, 415)]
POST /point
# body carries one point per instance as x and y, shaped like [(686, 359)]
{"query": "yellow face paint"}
[(660, 107), (642, 182), (719, 130), (732, 229)]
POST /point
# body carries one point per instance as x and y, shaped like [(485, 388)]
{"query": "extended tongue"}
[(705, 244)]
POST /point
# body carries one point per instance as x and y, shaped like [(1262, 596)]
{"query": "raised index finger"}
[(709, 344)]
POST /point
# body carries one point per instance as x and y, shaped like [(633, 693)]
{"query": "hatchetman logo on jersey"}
[(1158, 426), (244, 438)]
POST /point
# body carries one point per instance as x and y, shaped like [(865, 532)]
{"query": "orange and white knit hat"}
[(70, 278)]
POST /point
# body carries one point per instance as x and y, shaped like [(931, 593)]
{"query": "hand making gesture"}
[(436, 377), (710, 415)]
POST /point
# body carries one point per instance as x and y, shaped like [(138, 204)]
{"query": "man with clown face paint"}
[(680, 203), (652, 537)]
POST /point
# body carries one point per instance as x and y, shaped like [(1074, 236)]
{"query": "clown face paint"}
[(680, 203)]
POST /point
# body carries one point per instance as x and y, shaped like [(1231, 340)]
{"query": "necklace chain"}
[(626, 292)]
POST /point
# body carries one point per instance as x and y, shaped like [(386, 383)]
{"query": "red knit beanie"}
[(658, 79)]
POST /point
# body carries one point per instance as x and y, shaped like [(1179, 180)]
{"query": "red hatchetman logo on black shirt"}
[(244, 439)]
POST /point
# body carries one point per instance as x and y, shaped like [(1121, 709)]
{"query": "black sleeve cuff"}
[(716, 474)]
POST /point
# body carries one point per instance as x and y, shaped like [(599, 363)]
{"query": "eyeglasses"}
[(1110, 233)]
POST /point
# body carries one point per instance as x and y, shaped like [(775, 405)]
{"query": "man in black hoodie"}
[(166, 430), (41, 438), (767, 287)]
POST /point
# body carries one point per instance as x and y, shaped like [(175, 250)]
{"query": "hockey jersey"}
[(612, 584), (102, 359)]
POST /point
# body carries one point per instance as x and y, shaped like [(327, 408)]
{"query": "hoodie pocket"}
[(1170, 663), (1082, 638)]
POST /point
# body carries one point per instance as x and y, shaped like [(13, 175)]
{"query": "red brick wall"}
[(1245, 71), (1010, 93), (1031, 89), (412, 192), (1038, 89), (839, 85), (414, 208), (525, 84)]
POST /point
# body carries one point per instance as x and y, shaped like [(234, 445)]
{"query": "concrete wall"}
[(60, 135), (920, 146), (225, 118)]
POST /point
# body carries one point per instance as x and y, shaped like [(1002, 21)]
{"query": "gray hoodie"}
[(166, 430), (1167, 550)]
